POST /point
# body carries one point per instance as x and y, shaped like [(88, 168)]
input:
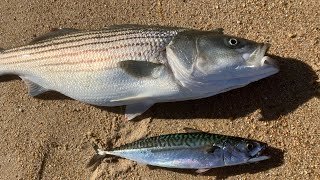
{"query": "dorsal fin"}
[(218, 30), (191, 130), (55, 32)]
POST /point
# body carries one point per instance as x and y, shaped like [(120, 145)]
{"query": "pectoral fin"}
[(140, 69), (33, 88), (211, 149), (134, 110), (138, 98)]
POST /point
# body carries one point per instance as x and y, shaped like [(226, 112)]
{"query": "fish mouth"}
[(258, 59), (259, 155)]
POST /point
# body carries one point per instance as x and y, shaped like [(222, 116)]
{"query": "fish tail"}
[(1, 50), (97, 158)]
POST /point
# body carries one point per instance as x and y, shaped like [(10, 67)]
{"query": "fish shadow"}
[(275, 96), (276, 160)]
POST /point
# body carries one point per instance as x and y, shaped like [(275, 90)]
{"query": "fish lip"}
[(259, 158), (258, 58), (260, 155)]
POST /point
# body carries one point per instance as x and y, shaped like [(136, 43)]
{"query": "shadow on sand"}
[(277, 95)]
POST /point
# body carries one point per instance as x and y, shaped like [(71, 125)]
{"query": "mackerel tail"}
[(96, 160)]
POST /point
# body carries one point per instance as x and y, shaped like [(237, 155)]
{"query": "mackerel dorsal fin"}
[(218, 30), (33, 88), (55, 32), (191, 130)]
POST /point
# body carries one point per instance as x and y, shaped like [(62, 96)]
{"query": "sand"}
[(48, 137)]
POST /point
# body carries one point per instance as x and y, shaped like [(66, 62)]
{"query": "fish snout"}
[(266, 60)]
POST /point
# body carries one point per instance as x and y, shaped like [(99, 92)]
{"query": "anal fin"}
[(33, 88), (134, 110)]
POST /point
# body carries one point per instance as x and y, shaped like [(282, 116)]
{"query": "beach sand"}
[(50, 136)]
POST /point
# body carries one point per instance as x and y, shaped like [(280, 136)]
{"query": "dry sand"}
[(48, 137)]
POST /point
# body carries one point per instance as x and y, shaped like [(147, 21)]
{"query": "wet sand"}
[(49, 137)]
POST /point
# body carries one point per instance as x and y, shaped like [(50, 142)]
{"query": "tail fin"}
[(96, 160)]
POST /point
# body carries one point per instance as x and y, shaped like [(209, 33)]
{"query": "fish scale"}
[(136, 65), (175, 140)]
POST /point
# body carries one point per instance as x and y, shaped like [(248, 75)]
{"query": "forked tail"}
[(96, 160)]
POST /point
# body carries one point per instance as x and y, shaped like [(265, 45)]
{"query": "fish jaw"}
[(257, 159), (257, 66)]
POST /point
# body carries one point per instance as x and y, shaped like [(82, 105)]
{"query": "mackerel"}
[(192, 150)]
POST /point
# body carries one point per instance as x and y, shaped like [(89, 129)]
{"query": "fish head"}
[(243, 151), (212, 62)]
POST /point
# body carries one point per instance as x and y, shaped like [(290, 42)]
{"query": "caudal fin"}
[(96, 160)]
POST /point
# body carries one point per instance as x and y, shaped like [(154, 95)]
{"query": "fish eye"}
[(233, 42), (250, 146)]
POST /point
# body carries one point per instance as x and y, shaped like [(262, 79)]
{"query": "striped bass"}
[(192, 150), (137, 66)]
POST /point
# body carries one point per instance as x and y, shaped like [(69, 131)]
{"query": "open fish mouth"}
[(259, 155), (258, 59)]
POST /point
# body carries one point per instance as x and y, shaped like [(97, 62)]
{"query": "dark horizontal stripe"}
[(67, 36), (115, 29), (81, 45), (99, 36), (81, 52)]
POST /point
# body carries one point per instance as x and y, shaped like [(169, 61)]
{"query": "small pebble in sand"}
[(292, 35)]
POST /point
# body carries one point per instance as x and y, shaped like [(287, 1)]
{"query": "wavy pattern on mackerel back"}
[(175, 140)]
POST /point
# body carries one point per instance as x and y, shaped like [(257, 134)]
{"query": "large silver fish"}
[(193, 150), (137, 66)]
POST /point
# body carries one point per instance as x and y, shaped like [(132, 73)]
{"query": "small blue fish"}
[(192, 150)]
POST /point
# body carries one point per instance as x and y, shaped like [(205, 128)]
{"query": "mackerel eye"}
[(250, 146), (233, 42)]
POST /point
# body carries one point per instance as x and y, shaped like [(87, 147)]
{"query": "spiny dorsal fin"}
[(33, 88), (55, 32), (123, 26), (139, 69), (191, 130), (218, 30)]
